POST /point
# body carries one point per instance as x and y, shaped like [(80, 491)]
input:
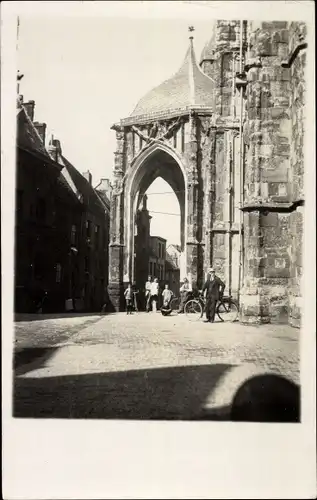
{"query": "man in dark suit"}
[(214, 288)]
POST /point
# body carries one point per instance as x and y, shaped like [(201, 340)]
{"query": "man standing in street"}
[(214, 288)]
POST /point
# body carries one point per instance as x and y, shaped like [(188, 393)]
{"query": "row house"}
[(157, 257), (61, 226), (152, 257), (172, 274)]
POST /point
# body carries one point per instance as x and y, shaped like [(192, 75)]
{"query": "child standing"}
[(128, 295), (167, 295)]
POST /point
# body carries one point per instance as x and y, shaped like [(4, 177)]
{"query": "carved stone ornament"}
[(158, 132), (206, 124), (118, 185)]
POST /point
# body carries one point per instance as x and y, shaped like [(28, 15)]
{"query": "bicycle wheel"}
[(193, 309), (174, 305), (228, 311)]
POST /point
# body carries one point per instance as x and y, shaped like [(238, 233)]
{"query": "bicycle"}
[(175, 302), (227, 308)]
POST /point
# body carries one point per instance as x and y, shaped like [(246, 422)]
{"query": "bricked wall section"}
[(297, 35), (274, 172), (267, 132)]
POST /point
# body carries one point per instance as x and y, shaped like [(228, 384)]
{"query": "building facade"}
[(45, 207), (56, 208), (227, 135), (157, 257), (172, 275)]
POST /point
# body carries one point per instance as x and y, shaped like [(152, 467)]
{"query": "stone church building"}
[(227, 134)]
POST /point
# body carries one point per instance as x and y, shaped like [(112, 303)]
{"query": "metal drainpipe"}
[(241, 169)]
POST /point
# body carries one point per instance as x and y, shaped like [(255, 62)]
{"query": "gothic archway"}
[(175, 133), (159, 160)]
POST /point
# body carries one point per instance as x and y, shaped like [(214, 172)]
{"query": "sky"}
[(85, 74)]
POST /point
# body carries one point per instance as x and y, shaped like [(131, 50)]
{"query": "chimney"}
[(20, 101), (104, 186), (41, 129), (58, 146), (54, 148), (29, 107), (88, 176)]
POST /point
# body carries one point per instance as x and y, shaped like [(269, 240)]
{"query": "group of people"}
[(152, 291), (213, 290)]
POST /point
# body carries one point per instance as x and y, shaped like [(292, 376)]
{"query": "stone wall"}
[(217, 62), (273, 134), (220, 61), (296, 60), (267, 133)]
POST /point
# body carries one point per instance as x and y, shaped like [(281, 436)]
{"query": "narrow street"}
[(141, 366)]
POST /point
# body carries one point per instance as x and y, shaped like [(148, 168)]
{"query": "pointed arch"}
[(158, 160)]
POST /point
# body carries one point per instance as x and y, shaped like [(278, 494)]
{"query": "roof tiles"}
[(189, 87)]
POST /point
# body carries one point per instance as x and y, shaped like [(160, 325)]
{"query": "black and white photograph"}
[(159, 215)]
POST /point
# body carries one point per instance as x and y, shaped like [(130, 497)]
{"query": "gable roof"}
[(177, 247), (90, 196), (28, 137), (170, 264), (103, 196)]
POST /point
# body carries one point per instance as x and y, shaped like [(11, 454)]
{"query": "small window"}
[(58, 273), (97, 232), (73, 235), (88, 228)]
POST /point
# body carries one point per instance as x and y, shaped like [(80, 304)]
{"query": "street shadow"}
[(18, 317), (31, 358), (267, 398), (172, 393)]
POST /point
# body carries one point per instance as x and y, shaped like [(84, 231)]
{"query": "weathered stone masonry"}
[(273, 194)]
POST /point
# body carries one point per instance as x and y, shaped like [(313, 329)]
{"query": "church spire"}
[(191, 63), (188, 88)]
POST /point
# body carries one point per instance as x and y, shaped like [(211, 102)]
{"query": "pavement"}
[(142, 366)]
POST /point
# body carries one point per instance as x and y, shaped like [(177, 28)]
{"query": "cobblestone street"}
[(141, 366)]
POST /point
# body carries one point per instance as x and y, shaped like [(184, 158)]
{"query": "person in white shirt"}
[(185, 291), (167, 295), (154, 294), (148, 293)]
